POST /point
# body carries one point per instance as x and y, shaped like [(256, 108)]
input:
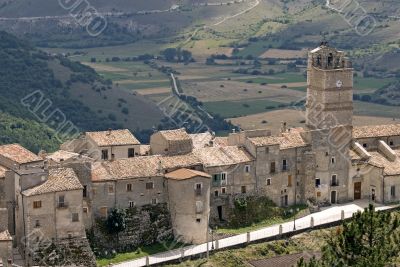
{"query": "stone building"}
[(171, 142), (105, 145), (197, 176), (189, 216)]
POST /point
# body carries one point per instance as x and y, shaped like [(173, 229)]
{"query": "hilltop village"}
[(54, 198)]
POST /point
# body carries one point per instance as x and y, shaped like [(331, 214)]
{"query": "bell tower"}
[(329, 89)]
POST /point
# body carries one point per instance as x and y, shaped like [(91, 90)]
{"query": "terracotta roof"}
[(18, 154), (289, 260), (59, 180), (2, 171), (138, 167), (180, 161), (183, 174), (175, 135), (222, 156), (141, 167), (113, 138), (201, 140), (220, 141), (389, 167), (145, 149), (61, 155), (376, 131), (5, 236), (286, 141)]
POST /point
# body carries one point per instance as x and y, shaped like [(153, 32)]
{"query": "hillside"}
[(72, 91)]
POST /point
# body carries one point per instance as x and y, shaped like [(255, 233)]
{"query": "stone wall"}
[(65, 252), (145, 226)]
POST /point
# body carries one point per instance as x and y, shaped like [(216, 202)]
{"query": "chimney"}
[(233, 130), (283, 127), (109, 131)]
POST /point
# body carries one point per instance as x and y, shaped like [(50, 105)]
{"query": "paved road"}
[(327, 215)]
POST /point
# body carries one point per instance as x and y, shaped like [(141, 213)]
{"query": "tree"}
[(170, 54), (116, 221), (187, 56), (370, 239)]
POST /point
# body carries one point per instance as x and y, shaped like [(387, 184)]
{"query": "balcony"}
[(334, 183), (62, 205)]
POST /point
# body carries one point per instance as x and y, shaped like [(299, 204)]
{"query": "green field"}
[(287, 77), (371, 109), (371, 83), (230, 109)]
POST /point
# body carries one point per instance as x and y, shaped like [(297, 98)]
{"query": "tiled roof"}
[(376, 131), (113, 138), (138, 167), (222, 156), (389, 167), (141, 167), (289, 260), (2, 171), (59, 180), (220, 141), (287, 140), (175, 135), (62, 155), (201, 140), (183, 174), (5, 236), (180, 161), (18, 154)]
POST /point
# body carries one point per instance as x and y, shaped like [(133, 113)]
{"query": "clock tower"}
[(330, 89)]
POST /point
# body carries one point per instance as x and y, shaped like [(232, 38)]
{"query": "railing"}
[(335, 183), (326, 218), (198, 191), (62, 205)]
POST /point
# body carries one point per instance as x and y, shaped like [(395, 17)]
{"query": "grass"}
[(140, 252), (145, 85), (371, 109), (371, 83), (264, 223), (287, 77), (230, 109)]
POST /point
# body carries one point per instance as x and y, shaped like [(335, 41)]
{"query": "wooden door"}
[(357, 190)]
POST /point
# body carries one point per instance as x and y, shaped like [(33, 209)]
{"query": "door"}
[(333, 197), (219, 208), (357, 190), (373, 194)]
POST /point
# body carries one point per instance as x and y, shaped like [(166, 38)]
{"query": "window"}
[(365, 145), (85, 210), (284, 165), (318, 194), (223, 190), (198, 220), (198, 189), (61, 202), (393, 191), (247, 168), (104, 212), (111, 189), (243, 189), (334, 180), (129, 187), (154, 201), (272, 167), (333, 160), (104, 154), (391, 143), (37, 223), (149, 185), (199, 206), (85, 191), (268, 181), (216, 193), (317, 182), (37, 204), (289, 180), (75, 217), (131, 152), (223, 178), (131, 204)]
